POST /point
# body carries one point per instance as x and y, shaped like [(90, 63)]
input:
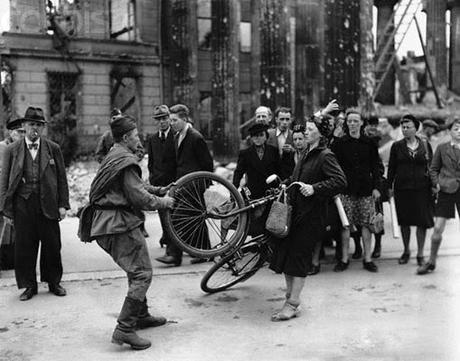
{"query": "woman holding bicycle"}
[(321, 178)]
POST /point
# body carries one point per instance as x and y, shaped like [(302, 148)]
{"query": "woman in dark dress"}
[(408, 177), (321, 178)]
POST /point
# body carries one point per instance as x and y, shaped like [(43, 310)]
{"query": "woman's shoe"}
[(426, 268), (287, 312), (358, 253), (376, 253), (314, 270), (404, 258), (420, 260)]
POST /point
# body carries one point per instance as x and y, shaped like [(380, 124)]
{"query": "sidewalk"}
[(83, 261)]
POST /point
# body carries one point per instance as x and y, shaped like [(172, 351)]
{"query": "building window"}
[(245, 37), (124, 93), (6, 89), (65, 14), (62, 128), (204, 24), (122, 19)]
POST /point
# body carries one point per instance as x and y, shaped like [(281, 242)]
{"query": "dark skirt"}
[(414, 207), (292, 255)]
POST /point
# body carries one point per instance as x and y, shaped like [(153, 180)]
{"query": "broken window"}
[(65, 14), (6, 84), (122, 19), (204, 24), (62, 128), (124, 93)]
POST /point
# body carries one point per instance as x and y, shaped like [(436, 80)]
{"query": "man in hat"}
[(192, 155), (429, 127), (118, 194), (15, 132), (162, 157), (34, 193)]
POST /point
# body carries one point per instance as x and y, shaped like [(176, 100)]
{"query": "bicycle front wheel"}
[(192, 223), (234, 268)]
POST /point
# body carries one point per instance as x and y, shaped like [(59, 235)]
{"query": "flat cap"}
[(160, 111), (430, 123)]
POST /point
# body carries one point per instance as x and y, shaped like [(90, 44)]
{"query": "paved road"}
[(356, 315)]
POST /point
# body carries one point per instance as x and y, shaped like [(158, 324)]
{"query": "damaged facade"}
[(77, 59)]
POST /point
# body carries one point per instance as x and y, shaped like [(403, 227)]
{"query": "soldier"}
[(117, 195)]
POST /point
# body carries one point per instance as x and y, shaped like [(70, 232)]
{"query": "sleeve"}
[(335, 181), (136, 193), (150, 161), (392, 164), (203, 155), (375, 167), (433, 179), (240, 169), (436, 164), (62, 185), (286, 165), (4, 177)]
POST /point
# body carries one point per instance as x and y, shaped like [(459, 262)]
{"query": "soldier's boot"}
[(145, 319), (124, 331)]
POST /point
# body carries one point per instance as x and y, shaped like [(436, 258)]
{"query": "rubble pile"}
[(81, 174)]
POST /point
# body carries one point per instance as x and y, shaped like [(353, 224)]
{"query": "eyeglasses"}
[(284, 118)]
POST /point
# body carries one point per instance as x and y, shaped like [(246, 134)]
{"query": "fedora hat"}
[(14, 124), (34, 115)]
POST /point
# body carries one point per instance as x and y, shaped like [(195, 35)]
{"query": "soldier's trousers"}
[(129, 251)]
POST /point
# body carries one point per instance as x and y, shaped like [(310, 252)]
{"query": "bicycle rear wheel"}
[(236, 267), (191, 225)]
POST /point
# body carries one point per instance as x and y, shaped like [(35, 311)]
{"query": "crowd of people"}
[(331, 154)]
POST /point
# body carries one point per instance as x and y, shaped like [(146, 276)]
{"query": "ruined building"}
[(77, 59)]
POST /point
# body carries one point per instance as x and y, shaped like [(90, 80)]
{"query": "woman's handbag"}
[(377, 222), (279, 219)]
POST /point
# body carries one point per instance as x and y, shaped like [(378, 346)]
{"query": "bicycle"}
[(210, 218)]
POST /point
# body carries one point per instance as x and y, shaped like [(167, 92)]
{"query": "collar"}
[(279, 132), (455, 145), (165, 132), (28, 141), (184, 131)]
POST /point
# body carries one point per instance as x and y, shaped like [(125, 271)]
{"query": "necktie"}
[(162, 136), (33, 146)]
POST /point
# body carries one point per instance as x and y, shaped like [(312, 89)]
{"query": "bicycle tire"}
[(188, 224), (234, 268)]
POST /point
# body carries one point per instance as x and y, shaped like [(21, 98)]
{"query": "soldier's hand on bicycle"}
[(169, 201)]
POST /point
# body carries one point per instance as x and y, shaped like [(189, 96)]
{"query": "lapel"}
[(45, 155), (18, 164), (452, 157), (180, 146), (256, 162)]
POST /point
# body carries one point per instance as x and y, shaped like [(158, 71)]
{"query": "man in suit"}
[(15, 132), (445, 171), (162, 159), (34, 193), (281, 136), (192, 155)]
